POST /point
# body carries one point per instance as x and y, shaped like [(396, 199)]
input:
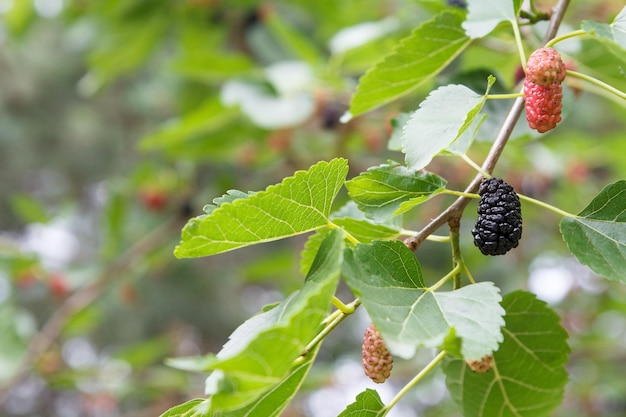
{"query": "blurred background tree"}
[(120, 119)]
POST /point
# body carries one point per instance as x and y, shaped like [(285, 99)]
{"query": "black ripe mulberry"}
[(377, 360), (499, 225)]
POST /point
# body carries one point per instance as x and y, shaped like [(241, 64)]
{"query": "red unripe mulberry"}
[(545, 67), (543, 105)]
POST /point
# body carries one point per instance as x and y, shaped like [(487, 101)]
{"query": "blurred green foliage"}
[(116, 128)]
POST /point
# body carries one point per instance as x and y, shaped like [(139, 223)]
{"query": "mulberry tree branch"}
[(456, 208)]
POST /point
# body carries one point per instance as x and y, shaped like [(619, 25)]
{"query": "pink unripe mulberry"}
[(377, 360), (543, 105), (545, 67), (481, 366)]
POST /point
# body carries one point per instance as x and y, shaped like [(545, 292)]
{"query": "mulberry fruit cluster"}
[(499, 225), (377, 360), (545, 71)]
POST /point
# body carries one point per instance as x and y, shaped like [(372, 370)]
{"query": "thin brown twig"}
[(49, 333), (456, 208)]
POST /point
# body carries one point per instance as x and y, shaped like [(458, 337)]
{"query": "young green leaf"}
[(367, 404), (381, 190), (445, 114), (192, 408), (484, 15), (417, 58), (298, 204), (597, 237), (248, 367), (274, 400), (614, 33), (528, 373), (388, 279)]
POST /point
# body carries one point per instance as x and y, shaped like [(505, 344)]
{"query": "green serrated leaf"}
[(248, 366), (274, 400), (417, 58), (367, 404), (192, 408), (381, 190), (445, 114), (597, 237), (528, 375), (297, 205), (614, 33), (484, 15), (388, 279)]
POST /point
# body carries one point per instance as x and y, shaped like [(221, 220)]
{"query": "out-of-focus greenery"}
[(116, 126)]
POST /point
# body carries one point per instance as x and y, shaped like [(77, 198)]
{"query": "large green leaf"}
[(484, 15), (274, 400), (614, 33), (297, 205), (367, 404), (388, 279), (442, 118), (597, 237), (381, 190), (248, 366), (417, 58), (528, 375)]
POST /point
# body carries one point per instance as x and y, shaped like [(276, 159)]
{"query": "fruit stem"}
[(597, 82), (457, 268), (547, 206), (333, 321), (455, 225), (460, 193), (561, 38), (504, 96), (474, 165), (437, 238), (431, 365), (518, 42)]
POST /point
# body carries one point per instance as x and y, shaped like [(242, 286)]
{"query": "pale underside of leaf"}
[(485, 15), (387, 279), (441, 119)]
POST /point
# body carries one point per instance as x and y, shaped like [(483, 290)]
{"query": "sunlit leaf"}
[(417, 58), (528, 376), (273, 401), (297, 205), (597, 237), (381, 190), (388, 279), (445, 114), (248, 366)]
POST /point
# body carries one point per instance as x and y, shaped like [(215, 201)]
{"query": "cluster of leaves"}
[(266, 359)]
